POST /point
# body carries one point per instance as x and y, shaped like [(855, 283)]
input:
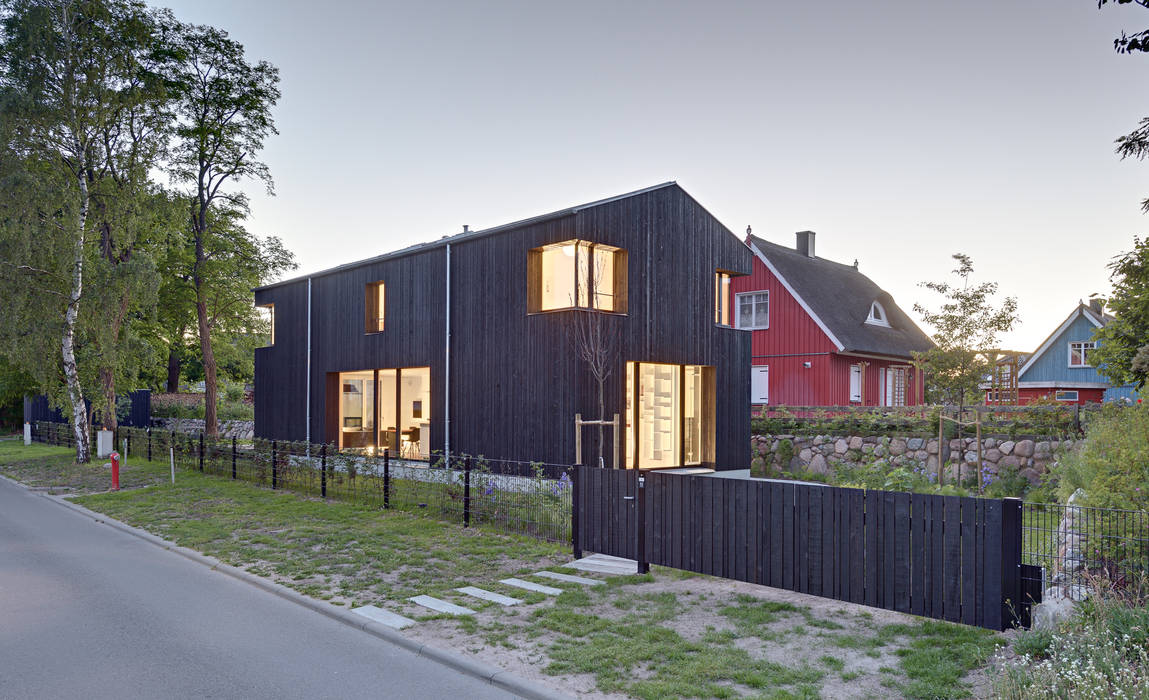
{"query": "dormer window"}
[(878, 315)]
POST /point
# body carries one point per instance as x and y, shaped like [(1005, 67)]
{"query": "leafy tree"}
[(967, 327), (67, 70), (1135, 144), (1122, 352), (224, 110)]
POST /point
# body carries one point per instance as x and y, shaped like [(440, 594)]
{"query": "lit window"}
[(754, 310), (373, 304), (878, 315), (1079, 354), (1065, 395), (722, 298), (576, 275), (268, 313)]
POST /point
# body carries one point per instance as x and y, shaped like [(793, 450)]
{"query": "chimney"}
[(1097, 306), (466, 228), (747, 235), (805, 244)]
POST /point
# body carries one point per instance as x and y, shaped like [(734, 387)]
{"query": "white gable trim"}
[(801, 302), (1057, 334)]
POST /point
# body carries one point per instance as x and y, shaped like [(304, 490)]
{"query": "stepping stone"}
[(440, 605), (605, 564), (528, 586), (568, 578), (489, 595), (384, 617)]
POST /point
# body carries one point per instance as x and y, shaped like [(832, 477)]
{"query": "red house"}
[(824, 333)]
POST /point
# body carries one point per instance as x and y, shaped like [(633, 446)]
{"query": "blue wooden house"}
[(1061, 368)]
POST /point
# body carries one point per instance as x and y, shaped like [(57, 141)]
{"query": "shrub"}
[(1112, 464)]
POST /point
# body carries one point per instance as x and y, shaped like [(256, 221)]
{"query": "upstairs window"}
[(373, 303), (753, 310), (1079, 353), (576, 275), (878, 315), (268, 312), (722, 299)]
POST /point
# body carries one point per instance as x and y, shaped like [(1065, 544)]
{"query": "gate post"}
[(576, 495), (1011, 604), (386, 478), (233, 451), (467, 491), (643, 563), (323, 470)]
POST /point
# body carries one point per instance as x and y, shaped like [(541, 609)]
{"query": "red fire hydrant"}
[(115, 471)]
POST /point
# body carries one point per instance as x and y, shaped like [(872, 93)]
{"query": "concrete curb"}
[(453, 660)]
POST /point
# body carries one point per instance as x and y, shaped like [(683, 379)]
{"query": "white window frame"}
[(884, 319), (855, 384), (1085, 346), (753, 308), (764, 399), (1064, 395)]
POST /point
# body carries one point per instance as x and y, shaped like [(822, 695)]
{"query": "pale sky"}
[(900, 131)]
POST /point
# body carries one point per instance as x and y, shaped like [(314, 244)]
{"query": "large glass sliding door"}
[(383, 408), (669, 415)]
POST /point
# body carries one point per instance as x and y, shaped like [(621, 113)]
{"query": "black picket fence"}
[(512, 497), (945, 557)]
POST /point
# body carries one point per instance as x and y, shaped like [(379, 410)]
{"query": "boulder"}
[(1010, 461), (914, 443), (991, 455), (989, 442), (818, 465), (1042, 449), (818, 440), (855, 443), (1007, 447), (1024, 448), (881, 450), (763, 448), (932, 446), (1031, 475), (806, 455), (897, 446), (970, 457), (841, 446), (867, 448)]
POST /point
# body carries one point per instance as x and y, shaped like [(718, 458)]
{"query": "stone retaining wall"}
[(820, 454), (239, 429)]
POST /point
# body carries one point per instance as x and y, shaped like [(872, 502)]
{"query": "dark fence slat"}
[(972, 515), (902, 534), (918, 520), (992, 591), (951, 582)]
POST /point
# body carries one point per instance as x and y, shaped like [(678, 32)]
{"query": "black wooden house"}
[(465, 344)]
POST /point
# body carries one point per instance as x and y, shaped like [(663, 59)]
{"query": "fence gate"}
[(605, 510)]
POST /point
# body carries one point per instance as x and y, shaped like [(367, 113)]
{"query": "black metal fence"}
[(1074, 544), (526, 498)]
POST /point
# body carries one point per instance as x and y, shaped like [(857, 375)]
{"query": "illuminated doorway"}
[(669, 415)]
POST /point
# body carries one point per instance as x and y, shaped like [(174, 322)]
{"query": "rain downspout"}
[(308, 411), (447, 366)]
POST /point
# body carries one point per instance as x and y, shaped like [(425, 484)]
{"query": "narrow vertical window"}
[(374, 298), (722, 299)]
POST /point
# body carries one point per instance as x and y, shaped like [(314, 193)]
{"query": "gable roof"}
[(838, 299), (468, 235), (1098, 321)]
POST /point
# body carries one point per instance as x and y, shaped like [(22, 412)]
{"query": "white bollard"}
[(27, 434)]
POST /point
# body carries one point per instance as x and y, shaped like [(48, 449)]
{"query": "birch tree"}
[(65, 67)]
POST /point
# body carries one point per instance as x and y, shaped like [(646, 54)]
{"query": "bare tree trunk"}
[(174, 362), (68, 341), (601, 417), (108, 387), (210, 423)]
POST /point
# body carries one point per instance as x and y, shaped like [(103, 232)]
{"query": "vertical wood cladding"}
[(516, 381)]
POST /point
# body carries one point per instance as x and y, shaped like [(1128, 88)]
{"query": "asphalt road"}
[(87, 611)]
